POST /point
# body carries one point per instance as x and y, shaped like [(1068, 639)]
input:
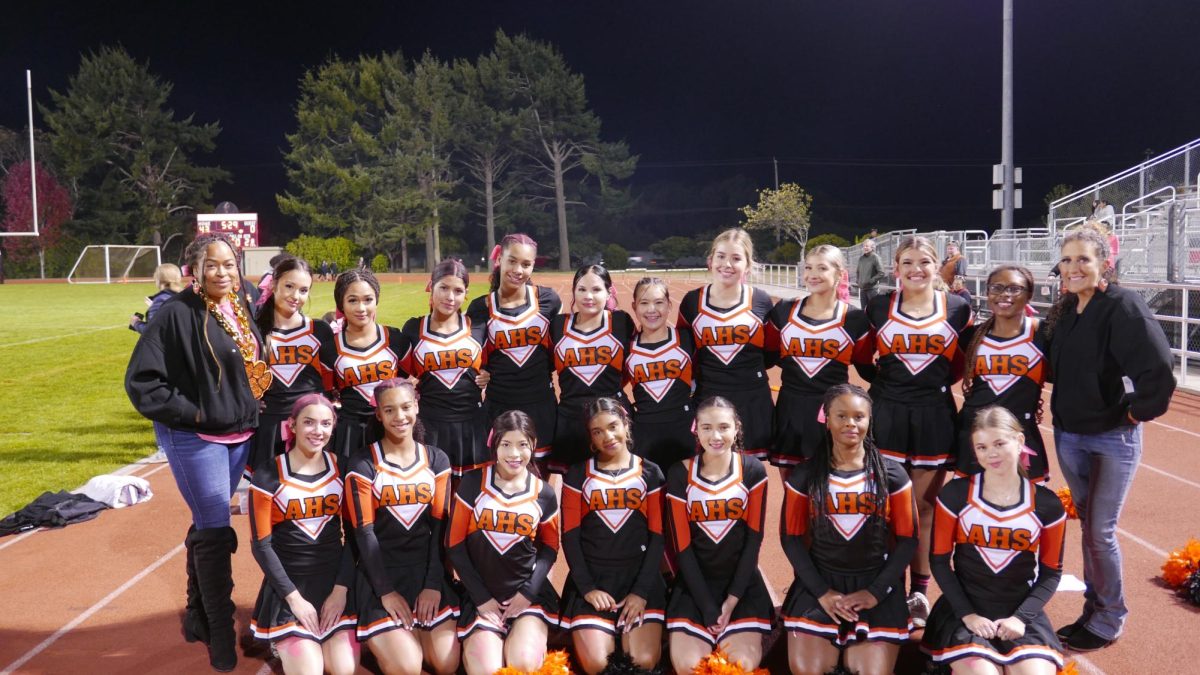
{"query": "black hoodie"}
[(180, 379)]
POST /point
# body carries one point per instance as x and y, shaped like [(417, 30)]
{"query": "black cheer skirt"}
[(757, 412), (544, 606), (886, 622), (922, 437), (543, 413), (947, 640), (572, 444), (408, 581), (753, 613), (798, 434), (664, 439), (616, 580), (353, 432), (268, 441), (1039, 464), (273, 619), (463, 441)]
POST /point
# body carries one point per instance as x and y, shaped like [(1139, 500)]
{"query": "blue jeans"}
[(207, 474), (1099, 470)]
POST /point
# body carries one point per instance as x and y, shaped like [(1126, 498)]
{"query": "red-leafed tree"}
[(54, 209)]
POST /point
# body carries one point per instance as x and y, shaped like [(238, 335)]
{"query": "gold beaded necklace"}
[(257, 372)]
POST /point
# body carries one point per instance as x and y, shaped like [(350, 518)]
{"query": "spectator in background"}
[(169, 280), (954, 265), (323, 271), (1103, 212), (870, 273), (959, 288)]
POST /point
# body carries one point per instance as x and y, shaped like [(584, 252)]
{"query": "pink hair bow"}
[(1026, 453), (286, 433), (264, 285), (494, 256)]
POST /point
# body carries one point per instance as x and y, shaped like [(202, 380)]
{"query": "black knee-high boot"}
[(213, 551), (195, 621)]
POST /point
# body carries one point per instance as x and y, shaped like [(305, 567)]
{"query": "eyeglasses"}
[(1001, 289)]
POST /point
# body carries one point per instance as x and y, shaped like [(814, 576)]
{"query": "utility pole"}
[(776, 163), (1006, 120)]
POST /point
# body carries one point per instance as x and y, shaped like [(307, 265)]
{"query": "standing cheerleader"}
[(1005, 365), (819, 336), (659, 366), (304, 605), (361, 355), (734, 341), (849, 528), (517, 317), (397, 498), (503, 541), (293, 347), (1005, 535), (716, 505), (445, 357), (916, 333), (589, 356), (613, 538)]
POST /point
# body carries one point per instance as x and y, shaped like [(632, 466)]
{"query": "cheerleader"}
[(293, 348), (819, 336), (397, 498), (304, 605), (361, 355), (716, 503), (849, 529), (503, 541), (659, 367), (1005, 365), (735, 343), (445, 357), (916, 333), (589, 348), (1005, 535), (613, 539), (516, 315)]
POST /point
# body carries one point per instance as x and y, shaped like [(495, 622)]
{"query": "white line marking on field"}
[(59, 337), (87, 614), (1138, 540), (19, 537), (1144, 465), (1175, 428), (1083, 663)]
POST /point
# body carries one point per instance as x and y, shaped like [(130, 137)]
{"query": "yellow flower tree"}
[(784, 211)]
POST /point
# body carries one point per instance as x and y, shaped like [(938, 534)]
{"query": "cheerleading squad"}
[(414, 514)]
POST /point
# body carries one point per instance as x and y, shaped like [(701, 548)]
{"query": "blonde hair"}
[(998, 418), (736, 236), (645, 283), (923, 245), (830, 254), (168, 275)]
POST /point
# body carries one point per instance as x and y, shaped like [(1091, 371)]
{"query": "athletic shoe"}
[(1070, 629), (918, 608), (1084, 640)]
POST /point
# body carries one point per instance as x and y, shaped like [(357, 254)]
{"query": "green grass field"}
[(64, 416)]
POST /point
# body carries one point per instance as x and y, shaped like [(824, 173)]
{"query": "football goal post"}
[(106, 263)]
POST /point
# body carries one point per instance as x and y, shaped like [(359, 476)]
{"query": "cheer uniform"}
[(918, 361), (398, 514), (356, 373), (503, 544), (716, 532), (613, 539), (294, 356), (1008, 372), (734, 347), (296, 527), (451, 410), (661, 374), (855, 546), (815, 354), (1007, 562), (589, 364), (517, 353)]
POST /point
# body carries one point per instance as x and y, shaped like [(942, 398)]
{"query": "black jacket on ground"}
[(1116, 336), (181, 379)]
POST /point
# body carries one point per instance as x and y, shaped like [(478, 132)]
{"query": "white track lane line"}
[(1144, 465), (1083, 663), (87, 614), (58, 337), (1145, 544), (19, 537)]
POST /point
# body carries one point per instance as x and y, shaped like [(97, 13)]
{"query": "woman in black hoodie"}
[(198, 371), (1113, 371)]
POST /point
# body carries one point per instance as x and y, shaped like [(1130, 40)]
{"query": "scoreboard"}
[(241, 227)]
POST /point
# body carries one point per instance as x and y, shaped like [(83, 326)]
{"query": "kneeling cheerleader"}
[(849, 529)]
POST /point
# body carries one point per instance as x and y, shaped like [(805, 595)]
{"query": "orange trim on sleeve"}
[(548, 532), (756, 513), (681, 532), (902, 512), (794, 521), (441, 495), (462, 520), (652, 509), (573, 508), (1050, 544), (945, 522), (262, 514), (360, 500)]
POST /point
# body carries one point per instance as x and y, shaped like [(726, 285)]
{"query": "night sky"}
[(887, 111)]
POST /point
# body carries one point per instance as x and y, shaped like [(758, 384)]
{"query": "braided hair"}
[(194, 256), (821, 465), (987, 326), (611, 406)]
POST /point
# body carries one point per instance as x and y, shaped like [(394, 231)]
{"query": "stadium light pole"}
[(1006, 121)]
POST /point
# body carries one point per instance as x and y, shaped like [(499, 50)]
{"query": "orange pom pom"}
[(555, 663), (717, 663), (1069, 668), (1181, 564), (1064, 496)]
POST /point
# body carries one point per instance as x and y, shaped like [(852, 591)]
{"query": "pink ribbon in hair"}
[(338, 323), (264, 286), (491, 434), (821, 415), (494, 256), (1026, 453), (611, 303), (286, 433), (186, 270)]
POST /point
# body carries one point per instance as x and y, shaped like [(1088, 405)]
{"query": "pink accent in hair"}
[(288, 435), (821, 415), (611, 303), (186, 270), (1026, 453), (264, 285), (494, 256)]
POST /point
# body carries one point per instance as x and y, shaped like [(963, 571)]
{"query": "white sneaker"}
[(918, 608)]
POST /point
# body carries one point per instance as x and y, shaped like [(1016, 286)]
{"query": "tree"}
[(557, 131), (125, 157), (1057, 192), (828, 238), (676, 247), (54, 209), (433, 101), (784, 211)]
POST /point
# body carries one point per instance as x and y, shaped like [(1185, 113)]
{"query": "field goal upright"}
[(106, 263)]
